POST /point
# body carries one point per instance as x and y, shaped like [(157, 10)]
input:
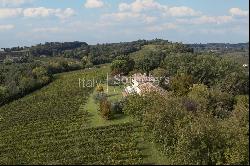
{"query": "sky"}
[(30, 22)]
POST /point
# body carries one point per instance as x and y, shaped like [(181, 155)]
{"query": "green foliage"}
[(26, 84), (178, 63), (236, 128), (135, 106), (236, 83), (98, 97), (21, 79), (220, 103), (190, 135), (7, 61), (38, 72), (200, 94), (117, 107), (122, 66), (159, 72), (105, 109), (84, 61), (181, 84), (3, 92), (99, 88), (211, 70), (55, 48)]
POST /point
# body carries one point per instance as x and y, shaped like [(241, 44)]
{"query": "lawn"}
[(114, 94)]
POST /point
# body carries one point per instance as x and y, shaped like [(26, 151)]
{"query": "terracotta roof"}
[(142, 78), (149, 87)]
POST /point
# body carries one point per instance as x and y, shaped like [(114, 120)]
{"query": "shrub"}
[(105, 109), (100, 96), (116, 107), (3, 92), (189, 104), (99, 88), (236, 129), (89, 65), (200, 94), (220, 103), (181, 84)]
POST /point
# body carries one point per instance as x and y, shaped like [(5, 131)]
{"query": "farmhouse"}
[(141, 84)]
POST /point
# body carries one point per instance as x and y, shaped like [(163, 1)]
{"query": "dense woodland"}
[(203, 117)]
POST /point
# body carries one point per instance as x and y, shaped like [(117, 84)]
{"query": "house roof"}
[(143, 78), (149, 87)]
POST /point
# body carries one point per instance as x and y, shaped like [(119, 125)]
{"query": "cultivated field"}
[(52, 126)]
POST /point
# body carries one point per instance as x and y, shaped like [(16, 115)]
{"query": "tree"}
[(105, 109), (38, 72), (116, 107), (220, 103), (200, 94), (181, 84), (236, 128), (236, 83), (84, 61), (26, 84), (8, 61), (3, 92), (122, 66), (99, 89), (159, 72)]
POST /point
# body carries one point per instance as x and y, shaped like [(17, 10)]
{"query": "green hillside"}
[(56, 125)]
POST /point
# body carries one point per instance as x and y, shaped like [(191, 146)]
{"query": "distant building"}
[(245, 65)]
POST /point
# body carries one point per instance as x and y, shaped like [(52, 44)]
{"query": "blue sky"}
[(28, 22)]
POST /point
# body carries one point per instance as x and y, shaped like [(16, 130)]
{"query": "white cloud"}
[(47, 30), (143, 5), (37, 12), (64, 14), (150, 19), (140, 5), (181, 11), (46, 12), (238, 12), (13, 2), (207, 20), (163, 27), (120, 16), (124, 6), (6, 27), (94, 4), (138, 10), (10, 12)]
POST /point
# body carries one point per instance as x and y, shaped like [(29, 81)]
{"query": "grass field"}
[(114, 94), (54, 126)]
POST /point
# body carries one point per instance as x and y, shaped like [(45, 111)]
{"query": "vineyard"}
[(50, 126), (106, 145)]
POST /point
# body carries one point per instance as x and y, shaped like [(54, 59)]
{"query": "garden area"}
[(114, 98)]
